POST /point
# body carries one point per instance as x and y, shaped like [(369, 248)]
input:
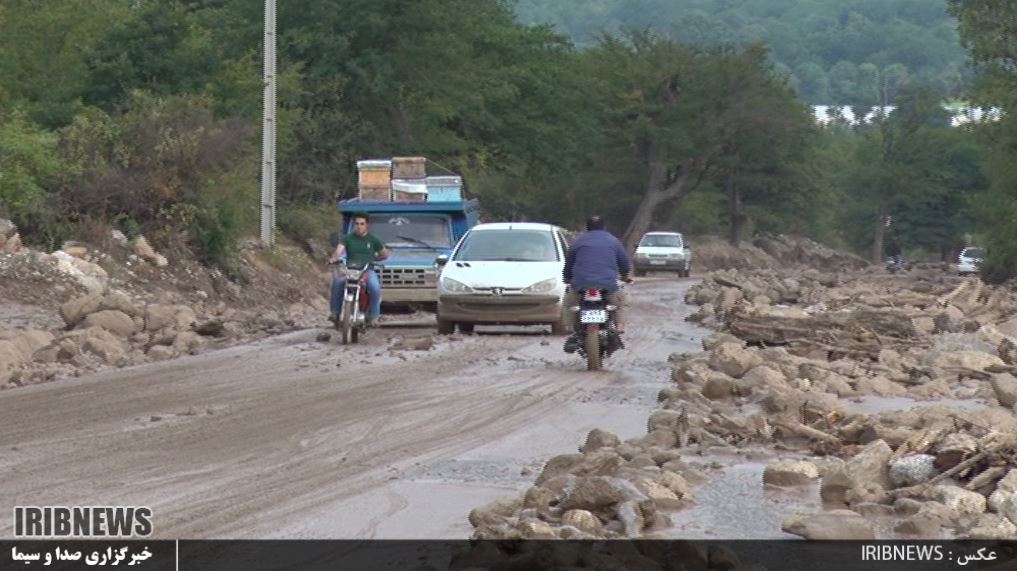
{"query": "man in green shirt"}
[(360, 248)]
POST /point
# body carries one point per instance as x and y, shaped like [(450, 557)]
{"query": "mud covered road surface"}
[(291, 437)]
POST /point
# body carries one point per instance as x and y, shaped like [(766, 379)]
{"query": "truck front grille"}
[(405, 277)]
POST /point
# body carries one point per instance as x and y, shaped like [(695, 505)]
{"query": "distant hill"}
[(851, 52)]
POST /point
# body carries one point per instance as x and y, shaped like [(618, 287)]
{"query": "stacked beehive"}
[(375, 180), (409, 179)]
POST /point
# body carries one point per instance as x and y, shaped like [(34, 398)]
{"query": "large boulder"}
[(1005, 387), (598, 438), (74, 311), (30, 341), (790, 473), (112, 320), (960, 501), (598, 492), (733, 360), (494, 513), (1005, 488), (975, 360), (583, 520), (868, 467), (835, 524)]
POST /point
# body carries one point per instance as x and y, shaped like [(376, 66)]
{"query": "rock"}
[(107, 347), (907, 506), (74, 311), (992, 526), (188, 342), (560, 465), (30, 341), (158, 316), (727, 300), (598, 438), (1007, 351), (718, 387), (733, 360), (959, 500), (835, 524), (659, 438), (923, 325), (597, 492), (161, 352), (1005, 387), (658, 493), (1005, 487), (120, 302), (12, 245), (714, 340), (537, 530), (494, 513), (663, 419), (112, 320), (869, 466), (881, 386), (790, 473), (953, 449), (761, 377), (919, 525), (975, 360), (913, 470), (540, 499), (676, 483), (583, 520), (1008, 507), (424, 343)]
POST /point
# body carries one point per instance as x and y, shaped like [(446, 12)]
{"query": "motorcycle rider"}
[(360, 248), (596, 259), (893, 251)]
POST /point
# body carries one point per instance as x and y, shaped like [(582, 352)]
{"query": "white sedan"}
[(969, 260), (504, 273)]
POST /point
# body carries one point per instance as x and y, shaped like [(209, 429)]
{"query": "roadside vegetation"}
[(145, 116)]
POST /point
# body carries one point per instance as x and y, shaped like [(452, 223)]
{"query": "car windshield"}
[(973, 252), (508, 245), (420, 230), (661, 241)]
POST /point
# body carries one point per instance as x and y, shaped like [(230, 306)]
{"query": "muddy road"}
[(291, 437)]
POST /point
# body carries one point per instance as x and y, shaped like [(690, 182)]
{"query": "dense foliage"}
[(852, 52), (145, 115)]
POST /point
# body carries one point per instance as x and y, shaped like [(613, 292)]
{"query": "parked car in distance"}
[(504, 273), (663, 251), (969, 260)]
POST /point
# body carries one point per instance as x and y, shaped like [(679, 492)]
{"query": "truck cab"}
[(416, 233)]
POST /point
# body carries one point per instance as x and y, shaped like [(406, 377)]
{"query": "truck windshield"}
[(416, 230), (508, 246)]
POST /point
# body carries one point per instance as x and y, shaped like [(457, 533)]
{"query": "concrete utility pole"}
[(268, 132)]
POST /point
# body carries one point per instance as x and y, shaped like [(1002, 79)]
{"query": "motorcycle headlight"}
[(545, 286), (452, 286)]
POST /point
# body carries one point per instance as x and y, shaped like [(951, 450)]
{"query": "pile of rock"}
[(102, 330), (10, 240), (771, 251)]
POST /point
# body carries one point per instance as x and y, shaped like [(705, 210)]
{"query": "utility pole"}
[(268, 131)]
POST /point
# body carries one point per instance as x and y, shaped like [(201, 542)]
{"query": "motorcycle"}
[(352, 321), (596, 337)]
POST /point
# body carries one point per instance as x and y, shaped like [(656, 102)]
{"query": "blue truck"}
[(416, 233)]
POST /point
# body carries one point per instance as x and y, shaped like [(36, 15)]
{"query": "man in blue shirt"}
[(598, 259)]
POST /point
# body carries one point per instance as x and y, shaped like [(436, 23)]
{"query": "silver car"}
[(663, 251), (504, 273), (969, 260)]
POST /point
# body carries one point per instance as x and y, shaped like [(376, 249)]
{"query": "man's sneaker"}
[(333, 318), (572, 344), (372, 323)]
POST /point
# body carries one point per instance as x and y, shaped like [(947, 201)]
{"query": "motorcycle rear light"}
[(592, 295)]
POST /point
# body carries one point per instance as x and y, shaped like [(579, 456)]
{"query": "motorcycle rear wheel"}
[(593, 356)]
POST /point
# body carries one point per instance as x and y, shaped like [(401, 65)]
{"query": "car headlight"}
[(545, 286), (676, 256), (452, 286), (642, 255)]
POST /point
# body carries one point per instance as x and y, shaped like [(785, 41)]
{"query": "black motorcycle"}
[(596, 337)]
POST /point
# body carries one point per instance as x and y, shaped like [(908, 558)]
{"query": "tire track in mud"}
[(255, 436)]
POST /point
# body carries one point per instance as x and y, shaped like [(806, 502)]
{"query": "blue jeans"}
[(373, 290)]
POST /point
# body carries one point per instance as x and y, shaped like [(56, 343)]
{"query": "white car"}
[(663, 251), (504, 273), (969, 260)]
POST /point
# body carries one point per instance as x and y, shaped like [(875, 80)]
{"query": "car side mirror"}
[(441, 260)]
